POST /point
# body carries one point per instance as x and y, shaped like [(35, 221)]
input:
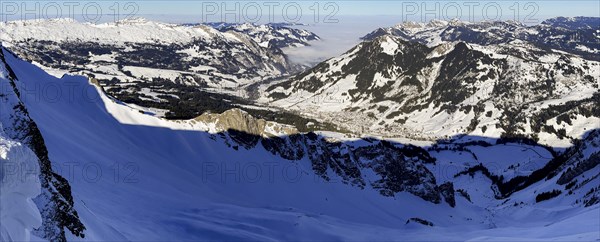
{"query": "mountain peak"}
[(434, 23), (134, 21), (574, 23), (437, 23)]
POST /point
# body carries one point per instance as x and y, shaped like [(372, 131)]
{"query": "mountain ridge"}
[(55, 201), (393, 83)]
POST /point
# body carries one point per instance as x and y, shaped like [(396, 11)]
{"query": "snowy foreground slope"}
[(27, 173), (138, 177), (18, 214)]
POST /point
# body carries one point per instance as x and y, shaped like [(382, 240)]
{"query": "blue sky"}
[(362, 7), (264, 11)]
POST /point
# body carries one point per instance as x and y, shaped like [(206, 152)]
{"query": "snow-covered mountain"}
[(578, 35), (440, 79), (273, 35), (33, 197), (180, 71), (231, 176), (141, 50)]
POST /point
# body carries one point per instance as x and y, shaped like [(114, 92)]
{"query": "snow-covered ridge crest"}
[(141, 30), (134, 20), (271, 35), (438, 23), (129, 30), (434, 23), (575, 35), (192, 55), (54, 203), (18, 214), (233, 119)]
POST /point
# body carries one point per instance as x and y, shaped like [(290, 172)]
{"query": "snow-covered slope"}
[(437, 80), (137, 30), (576, 35), (19, 215), (141, 50), (159, 65), (232, 177), (25, 157), (271, 35)]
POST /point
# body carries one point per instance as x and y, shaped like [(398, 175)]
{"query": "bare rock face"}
[(420, 220), (241, 121), (447, 191), (402, 169), (246, 130)]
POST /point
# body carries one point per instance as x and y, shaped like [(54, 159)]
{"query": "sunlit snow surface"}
[(137, 177)]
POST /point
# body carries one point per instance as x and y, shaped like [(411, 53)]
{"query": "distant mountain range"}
[(439, 79), (273, 35), (577, 35), (183, 70)]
